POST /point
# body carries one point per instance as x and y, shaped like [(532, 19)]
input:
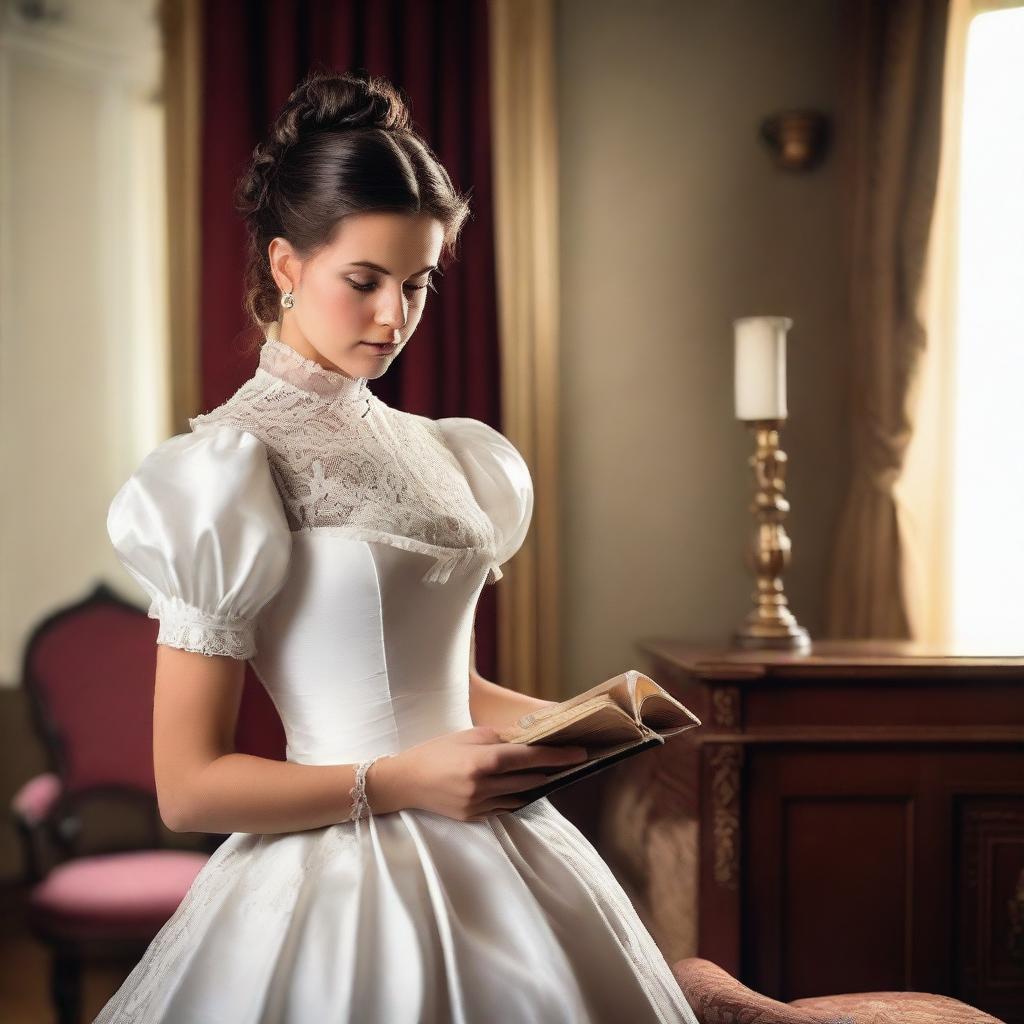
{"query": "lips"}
[(381, 347)]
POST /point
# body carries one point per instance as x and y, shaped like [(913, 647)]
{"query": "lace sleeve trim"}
[(190, 629)]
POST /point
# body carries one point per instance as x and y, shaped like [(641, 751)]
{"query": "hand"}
[(469, 774)]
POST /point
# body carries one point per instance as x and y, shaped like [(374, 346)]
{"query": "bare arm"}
[(494, 705), (203, 785)]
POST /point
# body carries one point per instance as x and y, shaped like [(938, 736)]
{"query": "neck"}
[(287, 363), (289, 334)]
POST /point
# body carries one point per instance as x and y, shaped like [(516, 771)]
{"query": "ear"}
[(284, 264)]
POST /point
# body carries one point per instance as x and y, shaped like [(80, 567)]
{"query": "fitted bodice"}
[(360, 656)]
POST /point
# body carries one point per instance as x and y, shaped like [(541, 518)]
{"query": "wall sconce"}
[(798, 139)]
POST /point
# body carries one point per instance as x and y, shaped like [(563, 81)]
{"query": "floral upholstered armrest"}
[(717, 998)]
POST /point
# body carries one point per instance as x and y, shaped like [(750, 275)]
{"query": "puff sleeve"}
[(201, 527), (499, 478)]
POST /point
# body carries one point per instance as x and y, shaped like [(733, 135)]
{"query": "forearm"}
[(243, 793), (494, 705), (498, 706)]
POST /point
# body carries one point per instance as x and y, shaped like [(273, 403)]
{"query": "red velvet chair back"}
[(89, 671)]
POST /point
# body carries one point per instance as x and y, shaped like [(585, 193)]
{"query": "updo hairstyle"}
[(342, 144)]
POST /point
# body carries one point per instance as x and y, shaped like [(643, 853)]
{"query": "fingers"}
[(517, 756), (495, 806), (510, 782), (497, 791)]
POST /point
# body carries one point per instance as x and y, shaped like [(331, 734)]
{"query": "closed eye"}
[(373, 285)]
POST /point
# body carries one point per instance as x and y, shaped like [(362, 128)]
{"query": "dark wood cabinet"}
[(859, 817)]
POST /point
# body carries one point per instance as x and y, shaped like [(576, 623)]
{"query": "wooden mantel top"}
[(833, 658)]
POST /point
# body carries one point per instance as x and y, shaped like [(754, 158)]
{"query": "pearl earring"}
[(287, 300)]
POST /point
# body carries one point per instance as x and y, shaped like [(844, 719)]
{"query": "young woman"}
[(341, 546)]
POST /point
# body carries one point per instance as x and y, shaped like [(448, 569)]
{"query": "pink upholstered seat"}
[(718, 998), (114, 895)]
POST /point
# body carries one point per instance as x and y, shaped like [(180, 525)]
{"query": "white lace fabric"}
[(346, 462), (190, 629)]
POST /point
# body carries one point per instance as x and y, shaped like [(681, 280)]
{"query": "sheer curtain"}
[(924, 493), (889, 153)]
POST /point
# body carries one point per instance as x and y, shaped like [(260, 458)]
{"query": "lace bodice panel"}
[(345, 461)]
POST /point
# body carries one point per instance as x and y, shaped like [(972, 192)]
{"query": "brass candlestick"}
[(770, 624)]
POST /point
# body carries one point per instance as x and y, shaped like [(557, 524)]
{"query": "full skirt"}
[(410, 918)]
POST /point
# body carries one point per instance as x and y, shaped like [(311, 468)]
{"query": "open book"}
[(614, 720)]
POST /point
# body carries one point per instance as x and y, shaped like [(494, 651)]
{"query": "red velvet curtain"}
[(437, 51)]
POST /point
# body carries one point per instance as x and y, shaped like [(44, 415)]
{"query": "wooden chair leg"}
[(66, 987)]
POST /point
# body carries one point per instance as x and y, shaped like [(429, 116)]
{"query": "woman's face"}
[(368, 285)]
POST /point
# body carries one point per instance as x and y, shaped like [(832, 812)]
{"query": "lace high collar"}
[(280, 360)]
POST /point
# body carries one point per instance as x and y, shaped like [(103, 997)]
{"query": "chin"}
[(375, 366), (378, 362)]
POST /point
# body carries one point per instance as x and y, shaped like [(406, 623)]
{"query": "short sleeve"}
[(499, 478), (201, 527)]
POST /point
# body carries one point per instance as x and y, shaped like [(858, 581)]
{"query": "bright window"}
[(988, 503)]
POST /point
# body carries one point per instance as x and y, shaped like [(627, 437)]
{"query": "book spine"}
[(590, 768)]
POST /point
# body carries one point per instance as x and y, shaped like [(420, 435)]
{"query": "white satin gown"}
[(341, 546)]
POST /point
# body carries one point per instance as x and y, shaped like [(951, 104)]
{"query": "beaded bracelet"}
[(360, 803)]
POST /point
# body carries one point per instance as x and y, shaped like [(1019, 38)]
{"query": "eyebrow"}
[(382, 270)]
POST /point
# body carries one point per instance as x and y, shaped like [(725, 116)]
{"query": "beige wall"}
[(82, 343), (675, 221), (83, 380)]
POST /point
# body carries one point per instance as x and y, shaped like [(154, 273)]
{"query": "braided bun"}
[(344, 143)]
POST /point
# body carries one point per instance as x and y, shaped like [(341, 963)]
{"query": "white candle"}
[(761, 367)]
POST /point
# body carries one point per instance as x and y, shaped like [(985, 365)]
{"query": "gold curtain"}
[(889, 153), (181, 24), (526, 241)]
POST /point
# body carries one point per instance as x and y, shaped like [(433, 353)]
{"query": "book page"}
[(598, 722), (599, 727), (630, 704), (659, 710), (615, 687)]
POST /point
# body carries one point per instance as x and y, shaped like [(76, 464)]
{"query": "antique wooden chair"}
[(88, 670)]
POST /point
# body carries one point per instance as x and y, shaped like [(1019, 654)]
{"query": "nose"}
[(392, 308)]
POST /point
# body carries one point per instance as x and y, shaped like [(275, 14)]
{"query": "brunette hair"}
[(343, 143)]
